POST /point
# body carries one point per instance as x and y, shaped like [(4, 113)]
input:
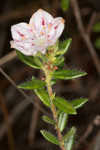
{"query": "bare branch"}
[(8, 58), (84, 35), (21, 91)]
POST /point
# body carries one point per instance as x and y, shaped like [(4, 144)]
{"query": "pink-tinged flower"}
[(42, 31)]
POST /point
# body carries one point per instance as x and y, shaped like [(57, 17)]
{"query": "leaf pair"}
[(67, 108), (64, 105), (60, 103), (68, 138)]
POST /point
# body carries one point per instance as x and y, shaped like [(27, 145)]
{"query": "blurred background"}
[(21, 111)]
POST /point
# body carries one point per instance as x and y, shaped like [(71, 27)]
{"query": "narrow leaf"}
[(43, 95), (37, 61), (62, 121), (64, 46), (48, 120), (68, 74), (59, 60), (79, 102), (49, 137), (29, 60), (69, 133), (69, 138), (64, 105), (31, 85), (64, 5)]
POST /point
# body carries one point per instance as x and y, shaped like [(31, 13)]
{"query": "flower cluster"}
[(42, 31)]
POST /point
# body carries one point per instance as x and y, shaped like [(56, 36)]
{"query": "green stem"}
[(53, 109)]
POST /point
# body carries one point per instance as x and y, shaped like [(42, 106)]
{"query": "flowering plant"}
[(38, 46), (42, 31)]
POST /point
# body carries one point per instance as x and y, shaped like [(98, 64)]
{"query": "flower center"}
[(40, 42)]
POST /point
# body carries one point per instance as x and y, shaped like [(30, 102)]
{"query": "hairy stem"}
[(54, 112)]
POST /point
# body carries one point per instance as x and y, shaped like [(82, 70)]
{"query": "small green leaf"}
[(43, 95), (65, 5), (42, 57), (29, 60), (69, 133), (49, 137), (64, 105), (68, 74), (63, 117), (31, 85), (96, 27), (63, 46), (77, 103), (37, 61), (48, 120), (59, 60), (69, 138), (97, 43)]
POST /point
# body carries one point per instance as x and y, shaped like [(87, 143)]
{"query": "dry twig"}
[(91, 22), (33, 124), (9, 129), (84, 35), (7, 58), (14, 114), (89, 130), (21, 91)]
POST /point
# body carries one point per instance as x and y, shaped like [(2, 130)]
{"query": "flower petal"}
[(21, 31), (42, 31), (58, 26), (26, 47), (40, 20)]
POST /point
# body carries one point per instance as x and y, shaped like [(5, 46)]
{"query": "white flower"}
[(42, 31)]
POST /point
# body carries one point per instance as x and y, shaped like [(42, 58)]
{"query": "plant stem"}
[(53, 109)]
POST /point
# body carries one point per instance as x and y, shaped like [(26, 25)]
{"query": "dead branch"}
[(8, 58), (9, 129), (21, 91), (33, 124), (91, 23), (84, 35)]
